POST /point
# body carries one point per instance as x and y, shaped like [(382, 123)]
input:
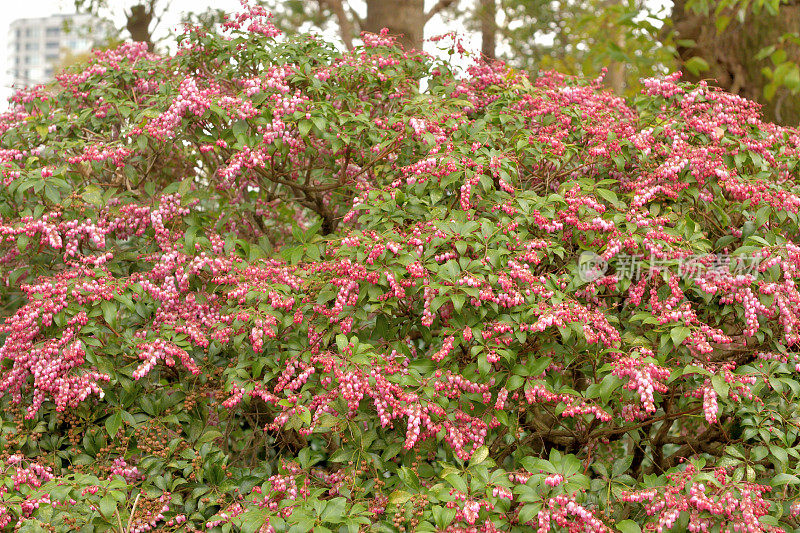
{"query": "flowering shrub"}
[(264, 285)]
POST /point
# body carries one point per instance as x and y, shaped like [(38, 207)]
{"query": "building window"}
[(77, 45)]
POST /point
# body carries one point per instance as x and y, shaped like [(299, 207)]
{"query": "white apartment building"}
[(38, 45)]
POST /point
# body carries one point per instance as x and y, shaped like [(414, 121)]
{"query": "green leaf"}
[(391, 450), (679, 335), (535, 464), (109, 312), (113, 424), (443, 516), (240, 127), (529, 512), (779, 453), (208, 436), (458, 301), (479, 456), (341, 455), (22, 242), (537, 366), (52, 194), (305, 415), (319, 123), (399, 497), (608, 195), (609, 384), (303, 525), (334, 510), (722, 22), (785, 479), (621, 466), (696, 65), (93, 195), (720, 386), (341, 342), (185, 185), (456, 481), (108, 507), (252, 520), (628, 526), (792, 79)]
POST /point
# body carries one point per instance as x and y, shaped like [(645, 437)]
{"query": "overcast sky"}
[(11, 10)]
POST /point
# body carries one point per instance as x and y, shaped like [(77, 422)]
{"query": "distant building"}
[(38, 45)]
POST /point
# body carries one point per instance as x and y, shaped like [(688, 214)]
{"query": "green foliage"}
[(268, 285), (583, 38)]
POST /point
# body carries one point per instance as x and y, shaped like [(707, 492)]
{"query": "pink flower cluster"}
[(737, 504), (566, 513), (643, 377), (152, 352)]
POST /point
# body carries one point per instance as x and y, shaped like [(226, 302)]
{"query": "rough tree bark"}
[(345, 25), (731, 54), (138, 24), (403, 18), (615, 79), (487, 14)]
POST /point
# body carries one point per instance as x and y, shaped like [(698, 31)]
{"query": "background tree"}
[(141, 16), (747, 48), (487, 15), (405, 19), (585, 37), (572, 37), (137, 22)]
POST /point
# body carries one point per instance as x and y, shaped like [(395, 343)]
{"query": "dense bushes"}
[(263, 284)]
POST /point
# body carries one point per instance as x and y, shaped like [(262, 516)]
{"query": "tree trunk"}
[(731, 54), (345, 26), (138, 24), (615, 77), (405, 19), (487, 14)]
